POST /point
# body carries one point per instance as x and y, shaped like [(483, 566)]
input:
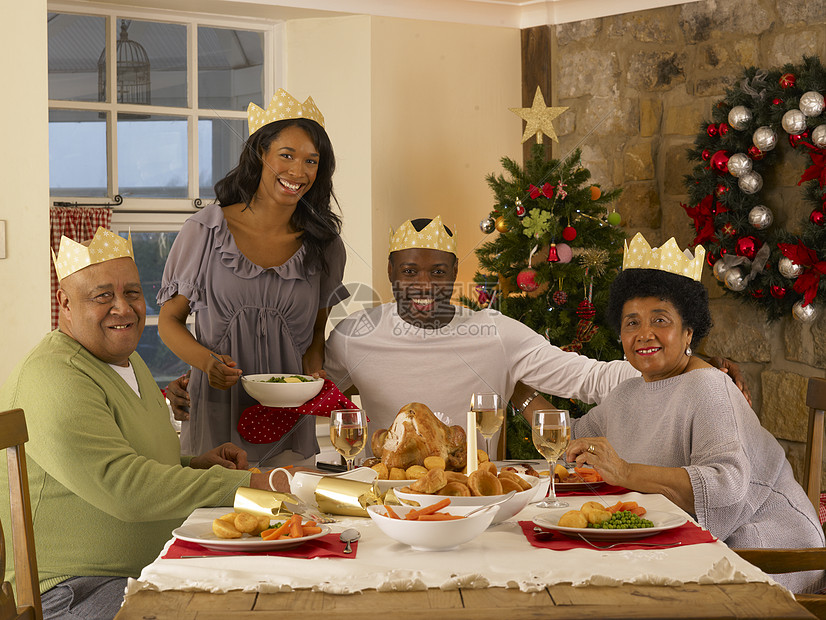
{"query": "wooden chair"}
[(13, 435), (778, 561)]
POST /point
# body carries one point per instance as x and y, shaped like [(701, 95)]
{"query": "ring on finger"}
[(591, 449)]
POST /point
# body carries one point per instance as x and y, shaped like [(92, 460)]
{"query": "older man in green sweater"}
[(108, 482)]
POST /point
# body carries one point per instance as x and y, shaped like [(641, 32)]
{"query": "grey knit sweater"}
[(744, 490)]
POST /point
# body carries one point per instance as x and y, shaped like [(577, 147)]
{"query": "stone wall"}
[(639, 85)]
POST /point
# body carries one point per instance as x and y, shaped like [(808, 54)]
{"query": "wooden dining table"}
[(497, 576)]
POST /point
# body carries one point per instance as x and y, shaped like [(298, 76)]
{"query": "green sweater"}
[(107, 480)]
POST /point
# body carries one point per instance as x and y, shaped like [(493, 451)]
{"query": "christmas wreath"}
[(752, 254)]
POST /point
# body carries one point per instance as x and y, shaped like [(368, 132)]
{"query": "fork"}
[(630, 542)]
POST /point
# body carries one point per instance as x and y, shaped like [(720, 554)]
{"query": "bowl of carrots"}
[(437, 527)]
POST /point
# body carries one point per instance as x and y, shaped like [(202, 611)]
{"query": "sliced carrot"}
[(313, 529), (629, 506), (274, 534), (639, 511), (439, 516), (429, 510), (296, 531), (390, 512), (615, 508), (309, 524)]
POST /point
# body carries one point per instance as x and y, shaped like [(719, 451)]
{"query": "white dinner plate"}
[(578, 486), (662, 521), (202, 534)]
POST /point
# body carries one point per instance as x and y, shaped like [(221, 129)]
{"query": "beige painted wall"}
[(24, 177)]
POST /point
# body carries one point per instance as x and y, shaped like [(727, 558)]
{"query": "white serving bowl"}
[(433, 535), (281, 394), (510, 508)]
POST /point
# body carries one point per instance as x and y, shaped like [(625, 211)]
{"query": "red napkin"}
[(605, 489), (687, 534), (328, 546), (260, 424)]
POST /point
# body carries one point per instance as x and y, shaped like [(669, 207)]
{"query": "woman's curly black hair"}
[(314, 214), (688, 296)]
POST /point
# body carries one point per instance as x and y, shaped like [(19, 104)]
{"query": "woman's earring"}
[(688, 350), (623, 357)]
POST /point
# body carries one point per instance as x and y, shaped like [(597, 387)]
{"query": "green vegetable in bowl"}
[(292, 379)]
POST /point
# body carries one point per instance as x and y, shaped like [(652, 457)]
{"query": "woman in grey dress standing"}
[(260, 268), (683, 429)]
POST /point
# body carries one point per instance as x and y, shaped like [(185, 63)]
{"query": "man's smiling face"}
[(423, 283)]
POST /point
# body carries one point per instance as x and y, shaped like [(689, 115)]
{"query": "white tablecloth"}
[(500, 557)]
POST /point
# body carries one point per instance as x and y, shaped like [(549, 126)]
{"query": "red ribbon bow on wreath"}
[(818, 168), (808, 281), (260, 424), (585, 330), (703, 216), (547, 191)]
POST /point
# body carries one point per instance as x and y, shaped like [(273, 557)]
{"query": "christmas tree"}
[(552, 263)]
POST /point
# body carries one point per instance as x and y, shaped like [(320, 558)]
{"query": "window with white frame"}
[(147, 111)]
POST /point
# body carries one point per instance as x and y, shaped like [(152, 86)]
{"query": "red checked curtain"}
[(78, 224)]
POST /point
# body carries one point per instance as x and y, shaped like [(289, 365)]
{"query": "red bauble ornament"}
[(569, 233), (711, 258), (794, 139), (777, 101), (586, 310), (721, 190), (560, 298), (722, 129), (719, 162), (520, 209), (706, 154), (729, 230), (755, 153), (553, 255), (787, 80), (778, 292), (757, 293), (746, 246), (712, 131), (526, 280), (818, 218), (482, 295)]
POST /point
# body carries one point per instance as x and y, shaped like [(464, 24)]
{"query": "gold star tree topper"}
[(539, 118)]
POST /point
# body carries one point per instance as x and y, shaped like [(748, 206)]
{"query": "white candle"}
[(472, 457)]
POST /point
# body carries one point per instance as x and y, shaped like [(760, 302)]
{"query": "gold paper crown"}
[(105, 245), (282, 106), (667, 257), (434, 236)]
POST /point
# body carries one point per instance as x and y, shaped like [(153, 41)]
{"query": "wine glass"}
[(490, 413), (348, 433), (551, 430)]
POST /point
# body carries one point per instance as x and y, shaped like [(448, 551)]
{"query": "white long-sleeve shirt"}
[(393, 363)]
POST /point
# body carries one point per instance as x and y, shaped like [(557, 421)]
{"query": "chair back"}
[(13, 435), (813, 466)]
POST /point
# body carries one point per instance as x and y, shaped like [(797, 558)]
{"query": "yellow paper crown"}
[(434, 236), (106, 245), (668, 257), (282, 106)]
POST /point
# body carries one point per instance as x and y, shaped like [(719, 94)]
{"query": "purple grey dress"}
[(263, 318)]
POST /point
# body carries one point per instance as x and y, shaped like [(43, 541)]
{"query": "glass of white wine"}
[(551, 430), (490, 413), (348, 433)]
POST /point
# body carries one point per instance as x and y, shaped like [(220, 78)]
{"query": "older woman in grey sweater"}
[(684, 430)]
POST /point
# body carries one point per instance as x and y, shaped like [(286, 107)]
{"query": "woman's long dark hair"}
[(314, 215)]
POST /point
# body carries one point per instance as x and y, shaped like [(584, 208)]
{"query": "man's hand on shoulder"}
[(733, 371), (226, 455)]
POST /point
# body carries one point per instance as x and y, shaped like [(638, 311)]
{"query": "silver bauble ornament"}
[(488, 225), (788, 268), (720, 268), (764, 138), (819, 136), (739, 117), (739, 164), (794, 122), (734, 280), (750, 183), (761, 217), (811, 103), (804, 314)]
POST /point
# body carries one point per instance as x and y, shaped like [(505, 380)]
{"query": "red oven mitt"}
[(260, 424)]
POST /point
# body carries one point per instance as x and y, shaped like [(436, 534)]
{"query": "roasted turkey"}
[(416, 434)]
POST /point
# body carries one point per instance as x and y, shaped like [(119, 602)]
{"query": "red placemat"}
[(328, 546), (686, 534), (605, 489)]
